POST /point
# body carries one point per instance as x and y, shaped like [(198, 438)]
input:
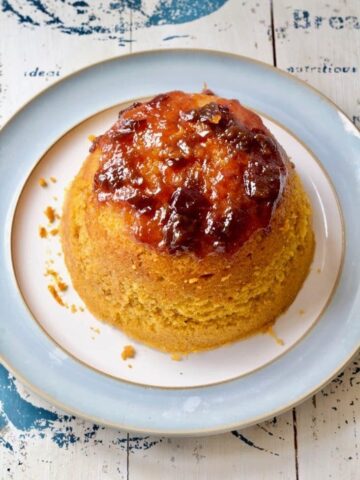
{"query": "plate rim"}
[(146, 53), (175, 433), (219, 382), (213, 430)]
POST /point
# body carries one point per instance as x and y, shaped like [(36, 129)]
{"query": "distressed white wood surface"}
[(316, 41), (319, 42)]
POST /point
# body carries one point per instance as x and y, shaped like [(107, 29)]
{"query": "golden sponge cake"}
[(187, 226)]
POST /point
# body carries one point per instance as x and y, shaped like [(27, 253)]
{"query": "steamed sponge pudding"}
[(187, 226)]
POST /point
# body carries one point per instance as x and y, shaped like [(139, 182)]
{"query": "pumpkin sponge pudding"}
[(187, 226)]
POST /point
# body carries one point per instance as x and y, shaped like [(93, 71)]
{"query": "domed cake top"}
[(195, 172)]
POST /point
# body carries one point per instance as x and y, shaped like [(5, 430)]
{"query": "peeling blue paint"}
[(32, 422), (52, 18), (172, 37), (3, 419), (250, 443), (110, 19), (142, 443), (6, 444), (64, 439), (182, 11), (91, 433), (35, 421), (22, 19), (137, 443), (22, 414)]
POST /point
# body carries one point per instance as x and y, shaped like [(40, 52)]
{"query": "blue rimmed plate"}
[(72, 359)]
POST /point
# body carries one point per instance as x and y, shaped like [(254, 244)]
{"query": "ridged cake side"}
[(181, 303)]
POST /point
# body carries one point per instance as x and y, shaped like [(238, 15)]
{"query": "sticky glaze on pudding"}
[(196, 173), (186, 222)]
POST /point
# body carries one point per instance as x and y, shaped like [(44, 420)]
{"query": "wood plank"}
[(262, 451), (319, 43), (228, 29), (259, 452), (328, 428), (33, 57)]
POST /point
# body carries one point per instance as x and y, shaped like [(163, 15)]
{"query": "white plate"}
[(98, 345)]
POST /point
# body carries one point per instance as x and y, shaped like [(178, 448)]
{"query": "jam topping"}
[(196, 173)]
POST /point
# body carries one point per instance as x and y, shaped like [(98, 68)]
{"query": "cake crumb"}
[(50, 214), (193, 280), (53, 179), (272, 334), (42, 232), (129, 365), (56, 295), (42, 182), (95, 330), (91, 137), (177, 357), (128, 352), (73, 308), (62, 286), (55, 198), (318, 270), (82, 309), (301, 311), (54, 231)]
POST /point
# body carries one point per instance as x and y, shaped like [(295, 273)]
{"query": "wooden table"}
[(317, 41)]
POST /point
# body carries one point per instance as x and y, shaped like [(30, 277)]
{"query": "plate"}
[(74, 360), (98, 345)]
